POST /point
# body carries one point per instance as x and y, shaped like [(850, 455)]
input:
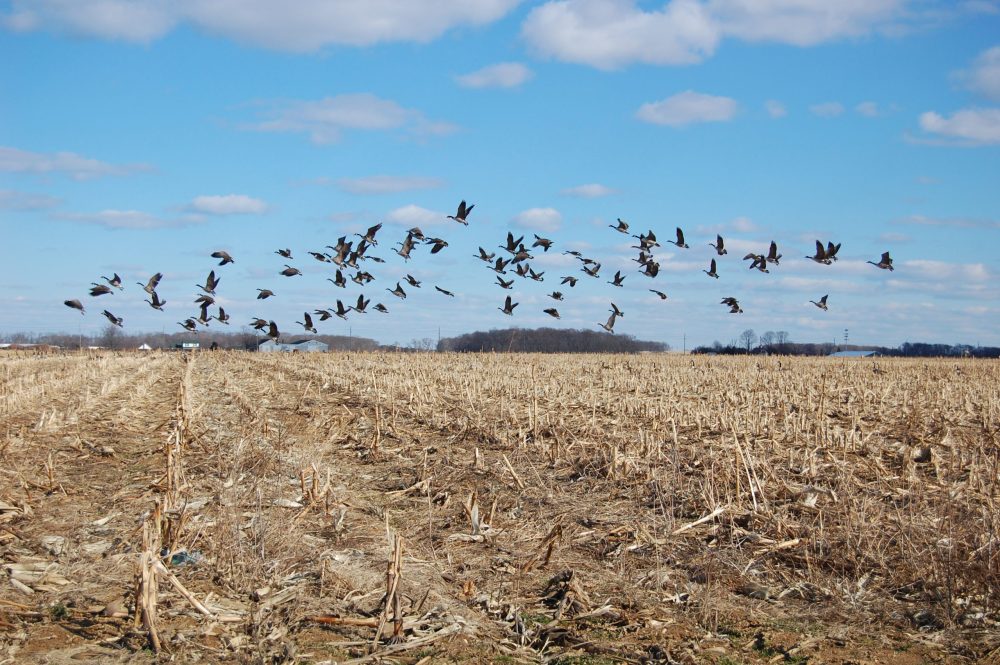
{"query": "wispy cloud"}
[(227, 204), (984, 74), (15, 200), (539, 219), (867, 109), (501, 75), (967, 127), (827, 109), (78, 167), (589, 191), (775, 109), (687, 108), (386, 184), (129, 219), (949, 222), (326, 120)]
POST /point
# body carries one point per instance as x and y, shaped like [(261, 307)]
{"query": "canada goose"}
[(151, 285), (521, 269), (189, 325), (204, 300), (772, 254), (573, 252), (501, 266), (203, 316), (820, 255), (759, 262), (680, 239), (556, 295), (342, 311), (338, 280), (644, 257), (115, 281), (618, 280), (544, 243), (376, 259), (508, 307), (831, 250), (222, 317), (719, 245), (320, 256), (289, 271), (272, 331), (462, 212), (100, 289), (537, 276), (412, 281), (406, 247), (224, 256), (75, 304), (308, 323), (284, 253), (483, 256), (112, 318), (522, 254), (663, 296), (362, 277), (264, 294), (503, 284), (821, 304), (733, 304), (621, 226), (609, 326), (381, 308), (885, 263), (156, 303), (210, 283), (258, 324), (369, 236), (569, 279), (552, 311), (711, 270), (617, 312), (512, 244), (592, 271), (444, 291), (437, 244), (647, 241), (398, 292), (323, 314), (362, 304), (651, 269), (352, 261)]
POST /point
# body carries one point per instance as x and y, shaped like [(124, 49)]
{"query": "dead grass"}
[(518, 508)]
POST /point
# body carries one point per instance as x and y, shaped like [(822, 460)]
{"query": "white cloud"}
[(949, 222), (414, 215), (78, 167), (686, 108), (867, 109), (970, 127), (14, 200), (387, 184), (326, 119), (827, 109), (894, 237), (743, 225), (127, 219), (539, 219), (502, 75), (312, 24), (943, 271), (589, 191), (984, 76), (775, 109), (609, 34), (228, 204)]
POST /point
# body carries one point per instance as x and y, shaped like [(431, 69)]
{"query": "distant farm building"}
[(303, 346), (854, 354), (188, 346), (144, 347)]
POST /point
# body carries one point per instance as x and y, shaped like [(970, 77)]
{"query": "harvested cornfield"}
[(497, 508)]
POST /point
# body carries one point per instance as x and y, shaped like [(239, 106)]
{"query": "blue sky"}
[(139, 136)]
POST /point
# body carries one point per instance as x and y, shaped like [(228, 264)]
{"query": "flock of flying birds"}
[(345, 255)]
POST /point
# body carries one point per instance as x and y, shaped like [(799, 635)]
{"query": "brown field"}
[(497, 508)]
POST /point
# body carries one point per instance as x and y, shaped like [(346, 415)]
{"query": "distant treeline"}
[(779, 343), (247, 339), (547, 340)]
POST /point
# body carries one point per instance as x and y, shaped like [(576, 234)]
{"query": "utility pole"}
[(685, 342)]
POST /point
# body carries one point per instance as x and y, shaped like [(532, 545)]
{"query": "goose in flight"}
[(512, 245), (258, 324), (444, 291), (100, 289), (483, 256), (284, 253), (537, 276), (504, 285), (733, 304), (552, 311), (361, 304), (821, 304), (320, 256), (398, 292), (204, 300), (885, 263), (831, 250), (222, 317), (151, 285), (462, 212), (617, 312), (189, 324), (210, 283), (437, 244), (115, 281), (711, 270), (820, 255), (369, 236), (156, 303), (556, 295), (680, 240), (647, 241), (272, 331), (651, 269), (381, 308), (759, 261), (592, 271), (412, 281), (521, 269), (116, 320), (544, 243), (406, 246), (289, 271), (362, 277), (772, 253), (308, 323), (203, 316), (621, 227), (569, 279), (75, 304), (264, 294), (323, 314), (338, 280), (508, 307), (342, 311), (618, 280), (522, 255), (610, 325), (224, 257), (663, 296), (501, 266), (719, 245)]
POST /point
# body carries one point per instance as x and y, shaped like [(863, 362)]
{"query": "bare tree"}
[(782, 338), (767, 339), (747, 338), (111, 337)]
